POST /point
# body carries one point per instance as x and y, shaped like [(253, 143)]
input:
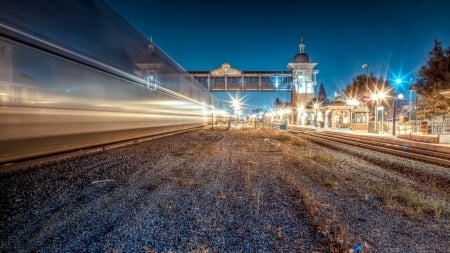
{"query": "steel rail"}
[(423, 155), (387, 144), (27, 163)]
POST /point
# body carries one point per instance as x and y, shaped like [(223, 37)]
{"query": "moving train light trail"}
[(54, 100)]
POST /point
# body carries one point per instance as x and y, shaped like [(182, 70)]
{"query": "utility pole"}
[(366, 66)]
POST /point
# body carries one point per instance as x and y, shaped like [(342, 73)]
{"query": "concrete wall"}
[(444, 138)]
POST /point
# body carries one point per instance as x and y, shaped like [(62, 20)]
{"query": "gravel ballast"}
[(220, 191)]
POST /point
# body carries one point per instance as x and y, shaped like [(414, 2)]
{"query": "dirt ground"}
[(250, 190)]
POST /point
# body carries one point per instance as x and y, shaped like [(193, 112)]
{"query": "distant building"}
[(300, 80), (227, 78)]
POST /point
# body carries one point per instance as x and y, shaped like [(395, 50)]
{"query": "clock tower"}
[(303, 83)]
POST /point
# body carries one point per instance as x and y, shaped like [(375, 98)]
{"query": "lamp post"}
[(287, 113), (316, 106), (237, 109), (300, 110), (366, 66), (377, 96), (352, 102), (399, 97), (212, 118), (411, 89)]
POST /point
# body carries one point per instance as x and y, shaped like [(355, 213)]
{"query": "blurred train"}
[(54, 98)]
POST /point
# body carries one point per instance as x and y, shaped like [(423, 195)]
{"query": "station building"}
[(300, 80)]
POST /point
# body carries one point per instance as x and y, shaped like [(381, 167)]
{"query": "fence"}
[(424, 127)]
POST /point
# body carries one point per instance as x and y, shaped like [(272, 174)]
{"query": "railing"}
[(440, 127), (424, 127)]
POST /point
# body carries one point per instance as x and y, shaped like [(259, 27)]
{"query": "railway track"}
[(425, 153), (27, 162)]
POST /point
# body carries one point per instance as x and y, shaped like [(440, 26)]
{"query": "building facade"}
[(300, 79), (304, 83), (227, 78)]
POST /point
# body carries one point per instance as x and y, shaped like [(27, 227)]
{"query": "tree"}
[(322, 96), (363, 87), (278, 102), (434, 76)]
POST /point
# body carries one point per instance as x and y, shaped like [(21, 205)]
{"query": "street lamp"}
[(236, 103), (366, 66), (352, 102), (287, 113), (300, 110), (411, 89), (212, 118), (377, 96), (399, 97), (316, 106)]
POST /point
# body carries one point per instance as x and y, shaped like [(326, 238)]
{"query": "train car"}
[(54, 98)]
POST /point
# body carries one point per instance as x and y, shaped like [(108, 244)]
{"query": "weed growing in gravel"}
[(299, 142), (317, 172), (283, 137), (258, 200), (326, 220), (324, 159), (299, 161), (437, 207), (187, 183), (183, 171), (209, 148), (411, 200)]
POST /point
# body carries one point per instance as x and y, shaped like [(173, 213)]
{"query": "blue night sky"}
[(393, 37)]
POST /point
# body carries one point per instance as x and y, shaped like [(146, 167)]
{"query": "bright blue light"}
[(398, 81)]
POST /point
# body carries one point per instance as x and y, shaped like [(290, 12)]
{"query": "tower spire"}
[(301, 45)]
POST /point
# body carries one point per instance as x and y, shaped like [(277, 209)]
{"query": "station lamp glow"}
[(377, 97), (352, 102)]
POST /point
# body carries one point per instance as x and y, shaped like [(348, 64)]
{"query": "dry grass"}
[(283, 137), (241, 177), (208, 149), (183, 171), (324, 159), (299, 142), (307, 162), (331, 227), (403, 199), (326, 169), (325, 218), (411, 201)]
